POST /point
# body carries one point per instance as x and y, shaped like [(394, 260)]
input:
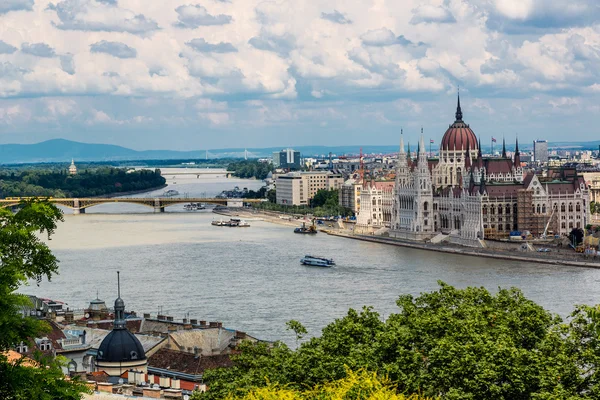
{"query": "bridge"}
[(157, 203)]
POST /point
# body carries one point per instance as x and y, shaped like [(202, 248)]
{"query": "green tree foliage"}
[(250, 169), (23, 256), (576, 236), (451, 343), (95, 182), (594, 207), (324, 203)]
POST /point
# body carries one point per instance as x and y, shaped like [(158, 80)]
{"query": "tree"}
[(450, 343), (24, 256), (576, 236)]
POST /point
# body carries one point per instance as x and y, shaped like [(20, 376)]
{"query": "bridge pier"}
[(158, 207), (77, 209)]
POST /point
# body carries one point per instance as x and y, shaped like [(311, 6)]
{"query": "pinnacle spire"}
[(459, 114), (503, 148), (517, 147), (119, 307), (401, 141)]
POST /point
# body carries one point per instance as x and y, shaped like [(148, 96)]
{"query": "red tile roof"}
[(186, 362)]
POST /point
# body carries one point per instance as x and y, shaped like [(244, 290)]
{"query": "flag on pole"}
[(430, 140), (493, 139)]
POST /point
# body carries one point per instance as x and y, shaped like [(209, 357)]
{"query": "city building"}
[(540, 151), (287, 159), (349, 196), (72, 168), (463, 197), (377, 201), (298, 188)]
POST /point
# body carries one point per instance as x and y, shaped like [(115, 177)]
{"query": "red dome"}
[(459, 137)]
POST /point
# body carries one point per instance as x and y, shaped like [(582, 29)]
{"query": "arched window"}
[(562, 207), (499, 210), (577, 207), (543, 209), (570, 207), (425, 206), (538, 209)]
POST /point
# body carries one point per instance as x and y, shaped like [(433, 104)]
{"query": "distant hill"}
[(61, 150)]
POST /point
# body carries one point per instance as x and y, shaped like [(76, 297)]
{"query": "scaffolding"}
[(528, 219)]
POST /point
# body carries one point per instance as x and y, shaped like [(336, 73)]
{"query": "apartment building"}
[(298, 188)]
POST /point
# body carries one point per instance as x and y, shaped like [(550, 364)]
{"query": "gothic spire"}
[(517, 154), (401, 142), (503, 148), (458, 110), (468, 156), (119, 307), (481, 185)]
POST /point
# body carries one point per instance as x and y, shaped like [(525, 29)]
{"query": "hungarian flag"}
[(494, 139), (430, 140)]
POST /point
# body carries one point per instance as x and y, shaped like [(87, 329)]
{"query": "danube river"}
[(251, 278)]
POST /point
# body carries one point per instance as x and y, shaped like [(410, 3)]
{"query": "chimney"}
[(196, 352)]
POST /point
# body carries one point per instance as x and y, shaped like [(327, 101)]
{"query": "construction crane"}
[(549, 220)]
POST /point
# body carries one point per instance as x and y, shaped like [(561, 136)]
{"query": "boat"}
[(194, 207), (237, 223), (232, 223), (310, 230), (317, 261)]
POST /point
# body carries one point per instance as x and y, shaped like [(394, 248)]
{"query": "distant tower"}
[(72, 168), (245, 154)]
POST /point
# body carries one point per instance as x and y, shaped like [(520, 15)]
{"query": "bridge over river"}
[(157, 203)]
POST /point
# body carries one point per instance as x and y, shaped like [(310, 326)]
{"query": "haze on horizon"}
[(190, 74)]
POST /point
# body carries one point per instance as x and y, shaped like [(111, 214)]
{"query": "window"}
[(570, 207), (577, 207), (562, 207)]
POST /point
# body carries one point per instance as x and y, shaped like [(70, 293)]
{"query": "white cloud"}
[(272, 63), (92, 15), (379, 37)]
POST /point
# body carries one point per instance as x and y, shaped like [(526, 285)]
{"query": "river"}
[(251, 279)]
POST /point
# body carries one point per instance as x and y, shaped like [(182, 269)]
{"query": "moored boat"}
[(307, 230)]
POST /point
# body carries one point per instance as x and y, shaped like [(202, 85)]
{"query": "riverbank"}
[(465, 251)]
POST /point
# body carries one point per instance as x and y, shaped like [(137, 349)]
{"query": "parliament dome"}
[(459, 135)]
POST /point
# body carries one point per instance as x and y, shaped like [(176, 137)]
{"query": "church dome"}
[(459, 135), (120, 345)]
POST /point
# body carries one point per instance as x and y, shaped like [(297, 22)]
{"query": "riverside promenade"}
[(542, 258)]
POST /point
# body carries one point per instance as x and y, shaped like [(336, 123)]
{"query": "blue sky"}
[(186, 74)]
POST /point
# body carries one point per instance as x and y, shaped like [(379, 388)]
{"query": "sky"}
[(156, 74)]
